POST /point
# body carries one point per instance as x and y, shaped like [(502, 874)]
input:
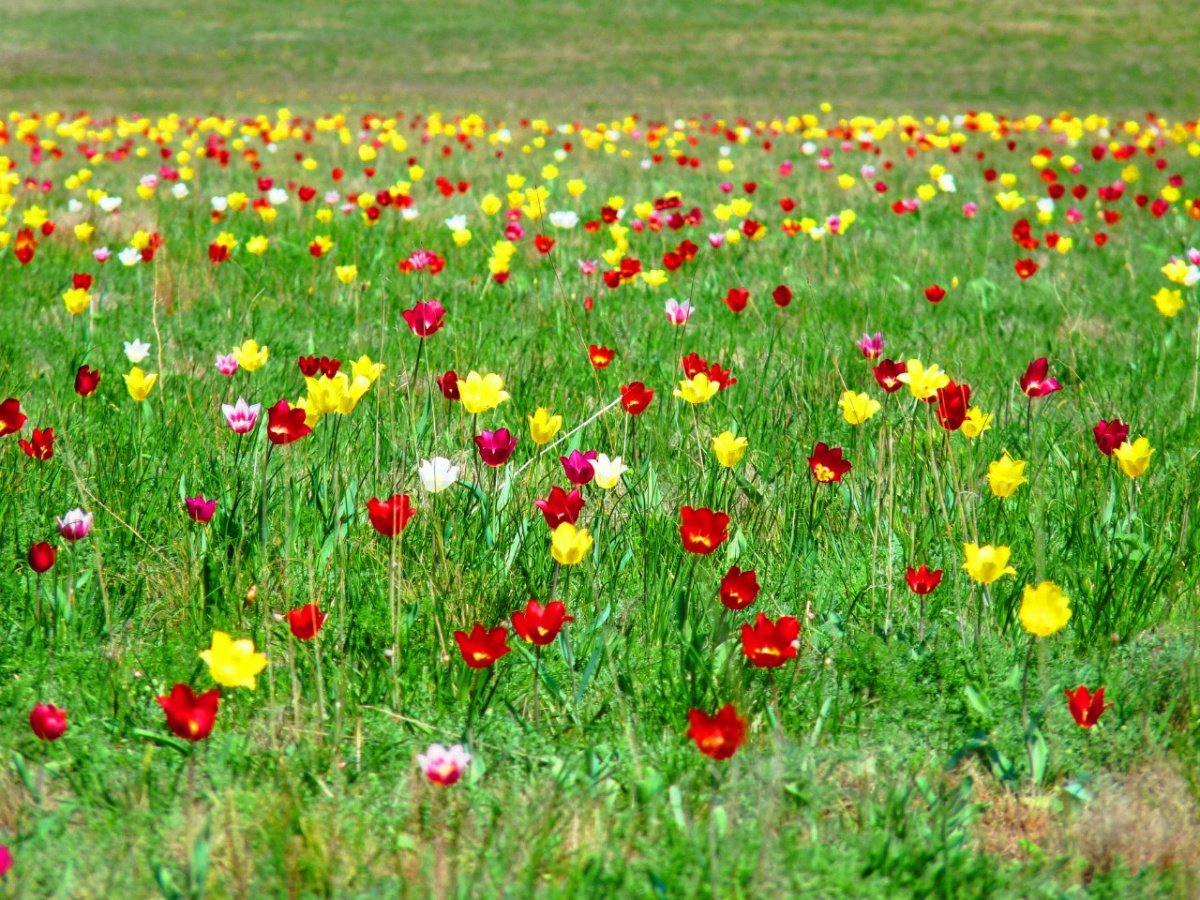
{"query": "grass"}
[(890, 758)]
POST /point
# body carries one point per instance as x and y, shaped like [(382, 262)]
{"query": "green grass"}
[(889, 758), (576, 58)]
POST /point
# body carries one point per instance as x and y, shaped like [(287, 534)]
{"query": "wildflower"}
[(935, 293), (826, 464), (364, 367), (560, 506), (698, 389), (987, 563), (1134, 458), (770, 644), (922, 581), (390, 517), (857, 408), (635, 398), (250, 356), (543, 426), (694, 365), (608, 471), (1168, 302), (448, 385), (241, 417), (425, 318), (48, 722), (6, 859), (306, 621), (479, 393), (346, 274), (481, 648), (139, 384), (437, 474), (738, 588), (600, 356), (311, 366), (12, 419), (952, 403), (728, 449), (41, 557), (136, 351), (717, 736), (444, 765), (1025, 268), (1005, 475), (200, 510), (678, 313), (495, 447), (781, 296), (76, 300), (569, 545), (41, 445), (75, 525), (1110, 435), (887, 375), (1086, 708), (86, 382), (539, 624), (976, 422), (923, 382), (702, 530), (286, 423), (1044, 609), (578, 467), (871, 345), (191, 716), (233, 663), (737, 298), (227, 365), (1036, 381)]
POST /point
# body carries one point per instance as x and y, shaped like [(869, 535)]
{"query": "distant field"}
[(654, 57)]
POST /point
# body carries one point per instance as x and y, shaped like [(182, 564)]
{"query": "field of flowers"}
[(399, 503)]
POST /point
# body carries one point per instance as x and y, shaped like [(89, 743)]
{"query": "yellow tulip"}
[(697, 390), (1005, 475), (139, 383), (250, 356), (923, 382), (729, 450), (987, 563), (976, 422), (1044, 609), (479, 393), (569, 545), (76, 300), (857, 408), (1134, 458), (543, 426), (233, 663)]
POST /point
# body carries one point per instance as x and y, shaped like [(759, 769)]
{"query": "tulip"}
[(608, 471), (987, 563), (871, 345), (569, 545), (635, 398), (191, 716), (437, 474), (1005, 475), (363, 367), (1110, 435), (200, 510), (41, 446), (578, 467), (543, 426), (136, 351), (1134, 458), (679, 313), (857, 408), (390, 517), (75, 525), (923, 382), (1036, 381), (139, 384), (444, 765), (540, 625), (286, 423), (41, 557), (561, 506), (698, 389), (496, 447), (306, 621), (227, 365), (717, 736), (953, 401), (1044, 609), (250, 356), (448, 385), (728, 449), (702, 530), (6, 860), (241, 417), (233, 663), (600, 356), (887, 374), (48, 722), (1085, 707), (738, 588), (481, 648), (425, 319), (86, 381), (770, 644), (976, 422), (826, 464), (480, 393), (922, 581)]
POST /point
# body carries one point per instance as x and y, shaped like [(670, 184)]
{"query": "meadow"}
[(562, 501)]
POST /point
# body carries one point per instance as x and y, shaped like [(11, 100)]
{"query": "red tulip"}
[(481, 648), (1036, 381), (496, 447), (888, 373), (935, 293), (190, 715), (782, 295), (702, 530), (922, 581), (600, 356), (448, 385), (41, 557), (769, 644), (48, 721), (86, 381), (1025, 268), (540, 624), (561, 506), (636, 397), (390, 517), (737, 299), (285, 424), (717, 736), (425, 319), (1110, 435), (739, 589), (952, 403), (42, 445), (694, 364), (306, 621), (1086, 708), (311, 366), (12, 419), (827, 464)]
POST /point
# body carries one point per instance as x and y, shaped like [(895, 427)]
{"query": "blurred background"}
[(751, 57)]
